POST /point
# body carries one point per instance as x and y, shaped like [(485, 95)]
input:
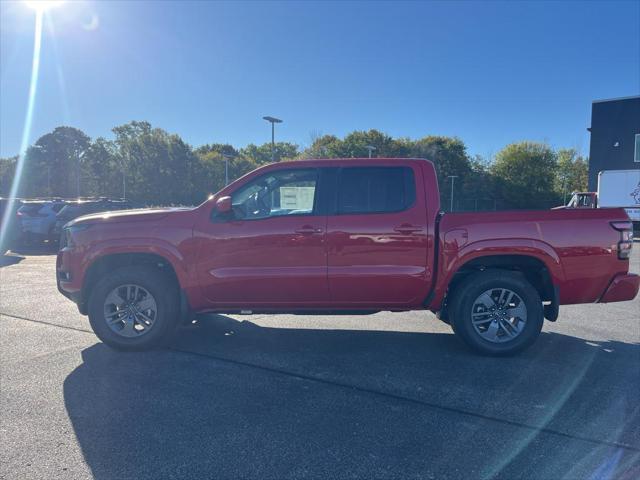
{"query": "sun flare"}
[(43, 5)]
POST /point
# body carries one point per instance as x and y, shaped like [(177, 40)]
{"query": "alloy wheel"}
[(499, 315), (130, 310)]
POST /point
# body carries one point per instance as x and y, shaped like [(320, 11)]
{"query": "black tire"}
[(165, 294), (472, 287)]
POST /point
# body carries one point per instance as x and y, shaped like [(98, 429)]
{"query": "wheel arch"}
[(532, 268), (539, 268), (106, 263)]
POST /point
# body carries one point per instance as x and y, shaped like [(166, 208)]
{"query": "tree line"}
[(153, 167)]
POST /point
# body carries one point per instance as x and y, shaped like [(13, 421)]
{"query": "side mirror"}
[(223, 205)]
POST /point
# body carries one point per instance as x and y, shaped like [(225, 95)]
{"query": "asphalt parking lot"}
[(280, 396)]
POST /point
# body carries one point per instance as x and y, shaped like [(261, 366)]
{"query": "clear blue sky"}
[(490, 73)]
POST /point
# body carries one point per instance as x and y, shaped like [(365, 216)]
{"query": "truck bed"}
[(577, 246)]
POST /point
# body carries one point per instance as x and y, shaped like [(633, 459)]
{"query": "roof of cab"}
[(346, 161)]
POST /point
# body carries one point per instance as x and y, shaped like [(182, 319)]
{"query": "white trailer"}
[(620, 188)]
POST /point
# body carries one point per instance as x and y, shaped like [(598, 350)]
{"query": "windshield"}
[(71, 210)]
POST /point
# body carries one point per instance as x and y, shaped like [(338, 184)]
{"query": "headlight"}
[(70, 232)]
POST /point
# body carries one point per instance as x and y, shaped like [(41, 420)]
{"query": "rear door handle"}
[(407, 228), (308, 230)]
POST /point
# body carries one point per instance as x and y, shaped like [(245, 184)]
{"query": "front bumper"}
[(623, 287), (68, 284)]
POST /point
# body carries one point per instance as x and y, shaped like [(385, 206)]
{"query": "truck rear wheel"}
[(497, 312), (134, 308)]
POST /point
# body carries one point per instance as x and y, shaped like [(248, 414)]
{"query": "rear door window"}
[(31, 209), (375, 190)]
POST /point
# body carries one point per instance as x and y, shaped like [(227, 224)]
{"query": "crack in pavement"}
[(366, 390)]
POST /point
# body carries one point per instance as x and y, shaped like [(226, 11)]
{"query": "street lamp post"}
[(272, 121), (78, 158), (124, 173), (453, 178), (370, 148)]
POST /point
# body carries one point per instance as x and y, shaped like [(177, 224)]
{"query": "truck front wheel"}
[(134, 308), (496, 312)]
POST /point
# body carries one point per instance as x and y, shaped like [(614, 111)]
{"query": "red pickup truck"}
[(342, 236)]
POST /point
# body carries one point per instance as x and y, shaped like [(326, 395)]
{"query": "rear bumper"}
[(34, 228), (622, 288)]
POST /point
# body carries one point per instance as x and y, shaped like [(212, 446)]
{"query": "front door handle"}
[(407, 229), (308, 230)]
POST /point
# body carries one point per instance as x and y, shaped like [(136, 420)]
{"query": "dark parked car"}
[(37, 218), (85, 207), (12, 230)]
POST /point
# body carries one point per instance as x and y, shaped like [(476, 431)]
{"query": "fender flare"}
[(132, 246), (452, 261), (160, 248)]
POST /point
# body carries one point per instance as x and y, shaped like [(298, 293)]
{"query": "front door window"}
[(281, 193)]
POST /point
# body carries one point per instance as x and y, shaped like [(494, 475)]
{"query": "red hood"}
[(120, 216)]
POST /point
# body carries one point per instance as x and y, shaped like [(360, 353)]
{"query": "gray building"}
[(615, 136)]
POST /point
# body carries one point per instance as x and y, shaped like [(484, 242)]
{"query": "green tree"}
[(478, 191), (220, 148), (100, 169), (525, 172), (355, 144), (449, 154), (572, 173), (7, 172), (51, 164), (261, 155), (159, 167), (212, 168), (324, 146)]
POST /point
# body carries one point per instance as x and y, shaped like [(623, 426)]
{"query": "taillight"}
[(626, 238)]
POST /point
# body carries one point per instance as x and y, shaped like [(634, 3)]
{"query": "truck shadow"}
[(232, 399)]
